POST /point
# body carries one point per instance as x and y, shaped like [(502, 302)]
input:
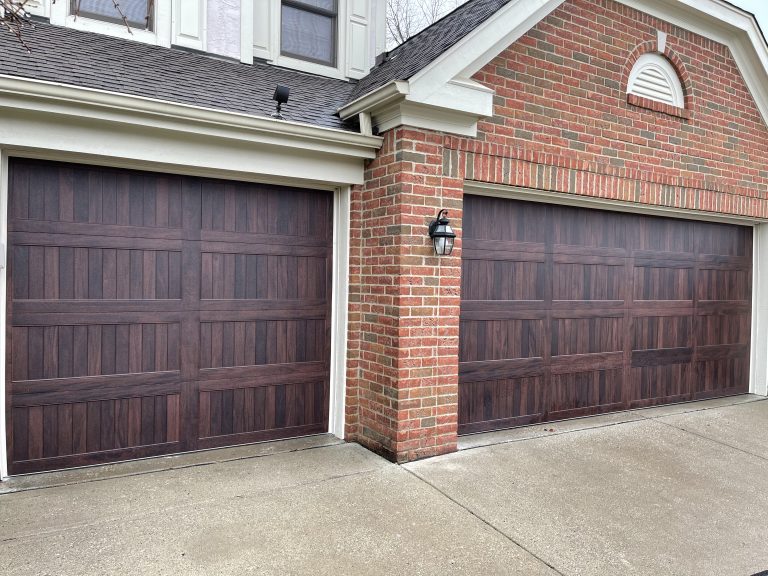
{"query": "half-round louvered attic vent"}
[(653, 77)]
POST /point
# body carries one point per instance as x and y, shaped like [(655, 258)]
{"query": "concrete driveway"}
[(676, 490)]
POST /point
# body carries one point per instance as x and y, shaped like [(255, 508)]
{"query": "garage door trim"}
[(579, 201), (339, 280), (758, 370)]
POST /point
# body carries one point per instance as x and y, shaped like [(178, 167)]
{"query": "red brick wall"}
[(404, 303), (562, 123), (561, 102)]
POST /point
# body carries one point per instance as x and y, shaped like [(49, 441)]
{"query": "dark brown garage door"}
[(152, 314), (569, 312)]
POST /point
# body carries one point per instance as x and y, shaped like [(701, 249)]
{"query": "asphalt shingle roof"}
[(418, 51), (124, 66)]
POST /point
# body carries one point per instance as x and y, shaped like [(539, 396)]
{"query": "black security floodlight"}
[(442, 234), (281, 97)]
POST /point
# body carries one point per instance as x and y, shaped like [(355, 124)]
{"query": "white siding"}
[(358, 46), (262, 28), (224, 28)]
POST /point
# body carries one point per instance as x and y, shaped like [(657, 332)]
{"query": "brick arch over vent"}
[(682, 73)]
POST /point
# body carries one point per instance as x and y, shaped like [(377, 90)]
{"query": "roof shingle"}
[(105, 63)]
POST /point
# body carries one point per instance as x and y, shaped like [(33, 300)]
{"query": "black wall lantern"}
[(442, 234)]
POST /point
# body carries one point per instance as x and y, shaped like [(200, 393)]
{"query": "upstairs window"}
[(654, 77), (308, 30), (138, 13)]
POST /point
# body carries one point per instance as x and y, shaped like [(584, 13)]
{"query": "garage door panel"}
[(260, 209), (721, 239), (618, 295), (674, 281), (243, 344), (486, 279), (587, 335), (713, 376), (500, 403), (248, 275), (262, 412), (723, 329), (588, 281), (724, 285), (502, 339), (95, 195), (68, 271), (509, 369), (662, 384), (588, 230), (654, 332), (662, 235), (76, 429), (63, 351), (494, 219), (573, 392)]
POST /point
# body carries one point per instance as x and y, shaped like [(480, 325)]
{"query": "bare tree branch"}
[(15, 19)]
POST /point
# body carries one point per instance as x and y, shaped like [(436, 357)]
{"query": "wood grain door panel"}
[(569, 312), (152, 314)]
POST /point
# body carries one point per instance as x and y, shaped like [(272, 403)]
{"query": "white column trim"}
[(4, 261), (339, 312), (758, 373), (246, 31)]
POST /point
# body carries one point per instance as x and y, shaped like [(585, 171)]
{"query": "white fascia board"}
[(454, 109), (462, 96), (725, 24), (46, 97), (52, 136), (418, 115), (394, 91)]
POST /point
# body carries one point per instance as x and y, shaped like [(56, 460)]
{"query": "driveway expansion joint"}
[(484, 521)]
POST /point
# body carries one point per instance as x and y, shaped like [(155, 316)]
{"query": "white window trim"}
[(161, 35), (660, 64)]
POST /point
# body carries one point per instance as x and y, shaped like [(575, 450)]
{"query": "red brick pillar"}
[(402, 380)]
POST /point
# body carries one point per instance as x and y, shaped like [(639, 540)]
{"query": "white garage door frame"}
[(758, 365), (340, 278)]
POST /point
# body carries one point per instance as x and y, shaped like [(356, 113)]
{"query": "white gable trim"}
[(445, 87)]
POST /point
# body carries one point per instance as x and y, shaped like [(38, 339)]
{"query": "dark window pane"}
[(308, 35), (135, 11)]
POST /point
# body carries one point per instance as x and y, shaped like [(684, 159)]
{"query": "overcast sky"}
[(759, 8)]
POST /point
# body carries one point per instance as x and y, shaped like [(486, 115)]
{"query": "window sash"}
[(147, 23), (309, 7)]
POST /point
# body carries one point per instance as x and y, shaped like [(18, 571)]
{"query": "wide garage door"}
[(568, 312), (151, 314)]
